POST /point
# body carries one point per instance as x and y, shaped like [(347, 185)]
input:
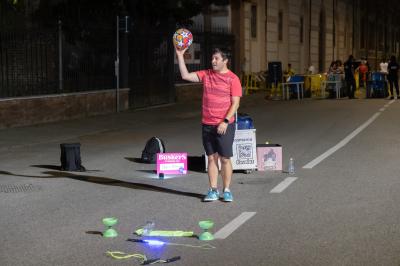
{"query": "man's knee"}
[(225, 160), (213, 158)]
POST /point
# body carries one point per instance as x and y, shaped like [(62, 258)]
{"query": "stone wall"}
[(15, 112), (188, 92)]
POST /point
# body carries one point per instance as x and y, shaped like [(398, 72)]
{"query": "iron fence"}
[(30, 62), (38, 62), (88, 62)]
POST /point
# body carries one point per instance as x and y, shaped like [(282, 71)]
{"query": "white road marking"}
[(228, 229), (382, 109), (389, 103), (342, 143), (283, 185)]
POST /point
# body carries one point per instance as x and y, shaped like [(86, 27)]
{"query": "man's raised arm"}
[(192, 76)]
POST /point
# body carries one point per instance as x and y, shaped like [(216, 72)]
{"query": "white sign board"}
[(244, 150)]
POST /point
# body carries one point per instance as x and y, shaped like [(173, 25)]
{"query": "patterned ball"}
[(182, 39)]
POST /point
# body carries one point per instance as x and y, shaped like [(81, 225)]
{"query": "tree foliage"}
[(78, 16), (96, 11)]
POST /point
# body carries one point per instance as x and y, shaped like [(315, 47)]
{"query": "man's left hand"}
[(221, 129)]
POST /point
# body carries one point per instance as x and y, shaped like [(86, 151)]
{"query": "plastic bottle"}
[(148, 227), (291, 166)]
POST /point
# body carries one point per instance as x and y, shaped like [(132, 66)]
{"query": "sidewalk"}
[(72, 130), (150, 119)]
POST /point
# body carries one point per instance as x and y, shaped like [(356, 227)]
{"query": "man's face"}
[(218, 63)]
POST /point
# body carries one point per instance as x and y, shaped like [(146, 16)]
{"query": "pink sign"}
[(172, 163)]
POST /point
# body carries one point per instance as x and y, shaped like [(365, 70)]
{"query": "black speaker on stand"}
[(275, 73), (71, 157)]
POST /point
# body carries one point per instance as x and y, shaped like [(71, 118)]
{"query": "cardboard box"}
[(269, 157)]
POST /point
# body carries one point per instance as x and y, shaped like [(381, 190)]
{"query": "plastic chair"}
[(333, 83), (253, 82), (377, 86), (317, 85)]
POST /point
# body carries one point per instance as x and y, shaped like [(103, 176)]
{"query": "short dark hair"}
[(224, 54)]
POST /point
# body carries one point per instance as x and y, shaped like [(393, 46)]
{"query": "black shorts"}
[(214, 142)]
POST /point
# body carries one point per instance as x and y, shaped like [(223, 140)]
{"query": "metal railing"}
[(27, 63), (38, 62)]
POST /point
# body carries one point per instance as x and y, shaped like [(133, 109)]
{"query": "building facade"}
[(313, 32), (50, 65)]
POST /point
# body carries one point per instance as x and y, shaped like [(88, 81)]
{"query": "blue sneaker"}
[(227, 196), (212, 195)]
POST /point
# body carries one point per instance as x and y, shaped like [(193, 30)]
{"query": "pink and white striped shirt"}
[(218, 88)]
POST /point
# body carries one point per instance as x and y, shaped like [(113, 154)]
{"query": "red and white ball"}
[(182, 38)]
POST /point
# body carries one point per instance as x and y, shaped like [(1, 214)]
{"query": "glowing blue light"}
[(156, 243)]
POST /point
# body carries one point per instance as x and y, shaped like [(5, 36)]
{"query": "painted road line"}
[(342, 143), (389, 103), (228, 229), (386, 105), (283, 185)]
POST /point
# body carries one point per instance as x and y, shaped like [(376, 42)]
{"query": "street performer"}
[(221, 96)]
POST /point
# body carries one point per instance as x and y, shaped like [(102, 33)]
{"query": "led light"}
[(156, 243)]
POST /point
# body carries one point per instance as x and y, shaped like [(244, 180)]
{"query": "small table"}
[(299, 87)]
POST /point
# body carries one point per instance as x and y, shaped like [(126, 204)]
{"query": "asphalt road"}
[(342, 211)]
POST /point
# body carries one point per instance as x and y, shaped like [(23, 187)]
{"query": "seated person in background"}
[(333, 76), (288, 72), (333, 68), (340, 69), (312, 70)]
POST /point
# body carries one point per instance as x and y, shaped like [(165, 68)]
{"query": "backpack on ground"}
[(153, 146)]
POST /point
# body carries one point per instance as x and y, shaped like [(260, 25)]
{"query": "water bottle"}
[(148, 227), (291, 166)]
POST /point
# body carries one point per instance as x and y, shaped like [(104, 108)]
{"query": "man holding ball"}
[(221, 96)]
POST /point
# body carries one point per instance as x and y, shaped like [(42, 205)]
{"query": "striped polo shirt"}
[(218, 88)]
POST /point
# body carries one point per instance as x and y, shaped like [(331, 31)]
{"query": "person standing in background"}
[(349, 76), (363, 70), (393, 77), (383, 66)]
